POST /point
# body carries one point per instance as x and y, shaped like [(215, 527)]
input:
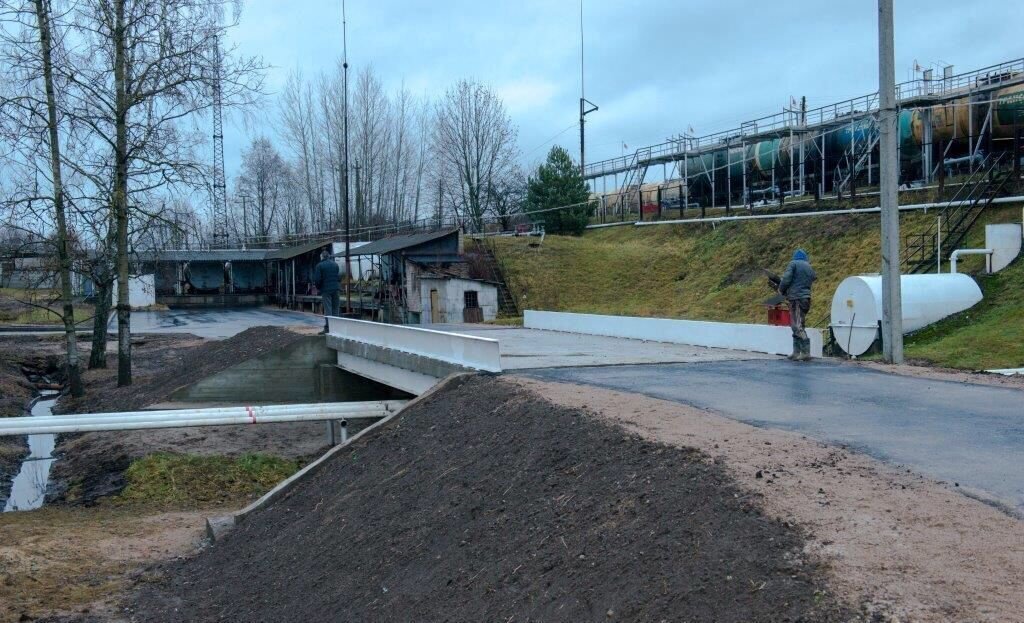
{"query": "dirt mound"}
[(485, 502), (182, 365)]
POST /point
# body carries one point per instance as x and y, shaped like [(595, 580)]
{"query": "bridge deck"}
[(532, 348)]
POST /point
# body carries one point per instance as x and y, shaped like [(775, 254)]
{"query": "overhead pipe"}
[(197, 417), (955, 255)]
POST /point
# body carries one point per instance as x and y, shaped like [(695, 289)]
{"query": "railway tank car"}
[(935, 130)]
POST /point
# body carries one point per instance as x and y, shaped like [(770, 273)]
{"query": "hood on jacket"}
[(800, 254)]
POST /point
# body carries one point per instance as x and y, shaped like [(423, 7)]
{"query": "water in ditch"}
[(28, 490)]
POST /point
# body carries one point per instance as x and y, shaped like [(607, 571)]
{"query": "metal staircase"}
[(488, 263), (849, 172), (634, 177), (921, 252)]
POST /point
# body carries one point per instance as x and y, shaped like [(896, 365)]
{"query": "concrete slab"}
[(533, 348), (961, 433), (217, 323)]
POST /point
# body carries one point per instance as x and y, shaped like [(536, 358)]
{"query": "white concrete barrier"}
[(758, 338), (455, 348)]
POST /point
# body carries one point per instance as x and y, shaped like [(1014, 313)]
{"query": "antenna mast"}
[(344, 173), (584, 110), (219, 187)]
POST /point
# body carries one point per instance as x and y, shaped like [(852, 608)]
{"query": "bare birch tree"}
[(475, 148)]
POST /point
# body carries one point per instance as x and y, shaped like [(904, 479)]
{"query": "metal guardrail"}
[(467, 351), (184, 418)]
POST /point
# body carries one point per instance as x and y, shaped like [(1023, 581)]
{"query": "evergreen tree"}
[(557, 183)]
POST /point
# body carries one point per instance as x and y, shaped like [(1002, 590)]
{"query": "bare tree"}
[(29, 53), (143, 70), (264, 178), (475, 145)]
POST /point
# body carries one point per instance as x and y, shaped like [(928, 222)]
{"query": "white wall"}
[(1005, 241), (759, 338), (451, 294), (362, 263), (141, 291)]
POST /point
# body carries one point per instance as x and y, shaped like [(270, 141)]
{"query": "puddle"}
[(28, 490)]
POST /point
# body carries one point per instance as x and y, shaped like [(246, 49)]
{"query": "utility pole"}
[(584, 110), (892, 307), (344, 171)]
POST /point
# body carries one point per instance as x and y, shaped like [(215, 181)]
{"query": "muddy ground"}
[(486, 502), (92, 465)]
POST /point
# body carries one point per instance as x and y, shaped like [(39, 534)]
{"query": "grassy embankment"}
[(714, 272), (19, 306)]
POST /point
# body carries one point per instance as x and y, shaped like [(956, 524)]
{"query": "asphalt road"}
[(955, 432), (215, 323)]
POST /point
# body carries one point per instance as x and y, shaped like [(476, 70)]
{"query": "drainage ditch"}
[(28, 489)]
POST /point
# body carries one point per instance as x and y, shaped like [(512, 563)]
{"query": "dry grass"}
[(712, 272), (18, 306), (64, 561)]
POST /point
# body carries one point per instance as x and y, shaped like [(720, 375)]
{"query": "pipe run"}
[(955, 255), (758, 217), (183, 418)]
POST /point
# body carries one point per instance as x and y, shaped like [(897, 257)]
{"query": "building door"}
[(435, 308)]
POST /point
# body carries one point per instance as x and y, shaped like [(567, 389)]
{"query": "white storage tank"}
[(857, 305)]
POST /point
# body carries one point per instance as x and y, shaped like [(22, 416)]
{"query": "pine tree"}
[(558, 183)]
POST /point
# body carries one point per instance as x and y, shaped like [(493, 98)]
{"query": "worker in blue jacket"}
[(326, 277), (795, 285)]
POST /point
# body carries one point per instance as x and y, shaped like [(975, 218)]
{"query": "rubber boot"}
[(795, 356), (805, 349)]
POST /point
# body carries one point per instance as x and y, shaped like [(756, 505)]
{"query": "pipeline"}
[(136, 420), (955, 256), (756, 217)]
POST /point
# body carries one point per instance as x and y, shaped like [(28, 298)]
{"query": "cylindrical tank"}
[(910, 145), (1009, 111), (840, 139), (950, 120), (857, 305)]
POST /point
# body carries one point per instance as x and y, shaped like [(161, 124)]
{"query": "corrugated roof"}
[(289, 252), (214, 255), (397, 243)]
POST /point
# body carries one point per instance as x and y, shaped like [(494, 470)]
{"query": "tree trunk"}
[(120, 198), (98, 353), (63, 255)]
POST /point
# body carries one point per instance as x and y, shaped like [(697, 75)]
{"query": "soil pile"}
[(486, 502), (93, 465)]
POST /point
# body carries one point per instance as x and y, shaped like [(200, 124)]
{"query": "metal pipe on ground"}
[(198, 417), (955, 256)]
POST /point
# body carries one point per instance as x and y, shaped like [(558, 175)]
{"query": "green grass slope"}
[(714, 272)]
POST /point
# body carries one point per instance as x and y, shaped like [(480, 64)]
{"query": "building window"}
[(472, 302)]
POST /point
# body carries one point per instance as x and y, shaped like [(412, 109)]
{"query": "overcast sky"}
[(654, 67)]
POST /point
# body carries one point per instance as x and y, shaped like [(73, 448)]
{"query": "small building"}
[(424, 279), (445, 297)]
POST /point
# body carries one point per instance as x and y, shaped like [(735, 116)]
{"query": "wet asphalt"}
[(963, 434), (218, 323)]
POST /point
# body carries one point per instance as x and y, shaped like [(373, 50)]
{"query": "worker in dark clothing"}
[(795, 285), (326, 278)]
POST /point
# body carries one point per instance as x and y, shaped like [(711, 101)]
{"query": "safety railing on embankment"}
[(186, 418)]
